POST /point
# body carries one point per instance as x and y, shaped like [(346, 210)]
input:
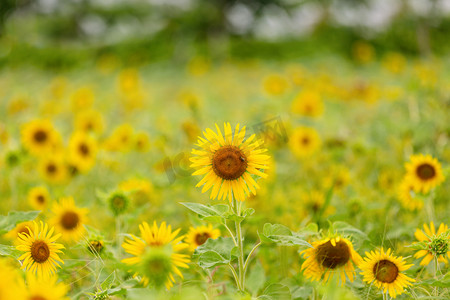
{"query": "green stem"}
[(436, 265), (236, 277), (249, 256), (231, 233), (240, 246), (118, 237)]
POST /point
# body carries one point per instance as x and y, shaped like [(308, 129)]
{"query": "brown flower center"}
[(40, 251), (70, 220), (40, 136), (51, 168), (385, 271), (305, 141), (23, 229), (425, 171), (229, 162), (84, 149), (40, 199), (201, 238), (331, 257), (37, 298)]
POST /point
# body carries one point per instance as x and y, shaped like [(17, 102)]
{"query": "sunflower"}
[(330, 256), (199, 235), (304, 141), (89, 121), (82, 151), (82, 99), (39, 136), (53, 169), (407, 196), (424, 172), (38, 197), (308, 103), (436, 246), (69, 219), (275, 85), (157, 238), (23, 227), (385, 271), (11, 284), (121, 138), (41, 250), (141, 142), (229, 163), (45, 288)]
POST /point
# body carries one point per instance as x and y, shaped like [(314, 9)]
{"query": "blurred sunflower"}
[(39, 136), (308, 103), (39, 197), (155, 237), (304, 141), (436, 246), (41, 250), (11, 284), (53, 169), (199, 235), (338, 178), (275, 85), (363, 52), (89, 121), (45, 288), (69, 219), (229, 163), (82, 99), (141, 142), (140, 190), (407, 196), (394, 62), (385, 271), (128, 80), (22, 227), (82, 151), (328, 257), (121, 138), (313, 202), (424, 172)]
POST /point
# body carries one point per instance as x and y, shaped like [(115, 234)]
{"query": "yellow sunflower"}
[(23, 227), (407, 196), (385, 271), (82, 99), (11, 284), (199, 235), (69, 219), (275, 85), (330, 256), (39, 136), (304, 142), (424, 172), (157, 238), (308, 103), (89, 121), (45, 288), (39, 197), (229, 163), (82, 151), (41, 250), (121, 138), (142, 142), (428, 236), (53, 169)]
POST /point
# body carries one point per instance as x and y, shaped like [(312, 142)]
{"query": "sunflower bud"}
[(118, 203)]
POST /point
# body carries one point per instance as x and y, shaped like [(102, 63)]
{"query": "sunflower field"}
[(128, 171)]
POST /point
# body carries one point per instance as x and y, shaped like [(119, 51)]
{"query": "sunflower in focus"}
[(39, 136), (424, 172), (89, 121), (41, 250), (82, 151), (304, 142), (39, 197), (328, 257), (45, 288), (157, 238), (436, 246), (407, 196), (308, 103), (53, 169), (385, 271), (199, 235), (228, 163), (69, 219)]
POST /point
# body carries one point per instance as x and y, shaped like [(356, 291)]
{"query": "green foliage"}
[(15, 217), (212, 253), (281, 235)]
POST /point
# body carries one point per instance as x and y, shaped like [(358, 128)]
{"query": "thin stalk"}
[(249, 256), (240, 245), (436, 265), (231, 233), (236, 277), (118, 237)]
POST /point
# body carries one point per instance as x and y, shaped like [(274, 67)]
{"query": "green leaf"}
[(220, 251), (141, 294), (14, 217), (108, 282), (209, 213), (345, 228), (256, 278), (442, 281), (281, 235), (8, 250), (276, 291), (246, 213), (210, 259)]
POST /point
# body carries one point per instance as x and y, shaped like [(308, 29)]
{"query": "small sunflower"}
[(275, 85), (53, 169), (41, 250), (385, 271), (424, 172), (304, 142), (82, 151), (199, 235), (89, 121), (39, 197), (308, 103), (157, 238), (121, 139), (39, 136), (330, 256), (141, 142), (407, 196), (437, 246), (45, 288), (20, 228), (229, 163), (69, 219)]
